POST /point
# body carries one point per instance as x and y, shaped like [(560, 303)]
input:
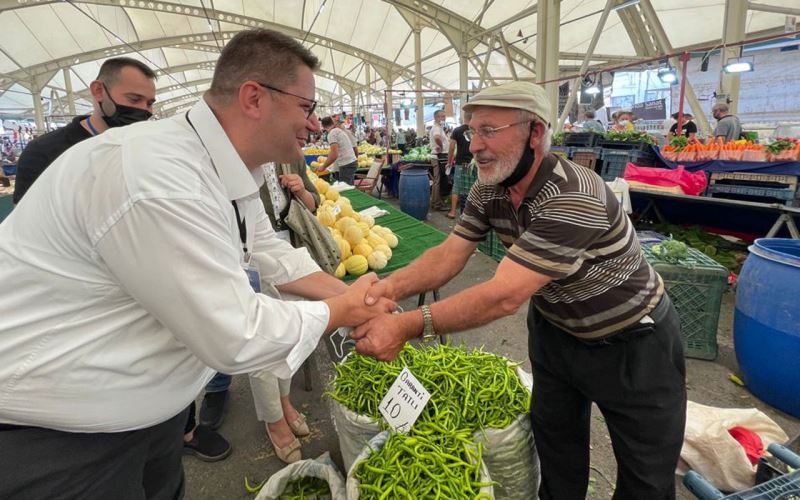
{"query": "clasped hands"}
[(378, 332)]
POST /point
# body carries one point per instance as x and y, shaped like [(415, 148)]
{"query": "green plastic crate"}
[(696, 291), (466, 179), (493, 247)]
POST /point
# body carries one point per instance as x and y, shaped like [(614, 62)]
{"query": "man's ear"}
[(96, 88), (250, 100), (538, 131)]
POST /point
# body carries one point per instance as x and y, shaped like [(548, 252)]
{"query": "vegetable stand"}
[(415, 237), (757, 219)]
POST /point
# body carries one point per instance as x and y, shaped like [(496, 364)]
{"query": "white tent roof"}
[(182, 39)]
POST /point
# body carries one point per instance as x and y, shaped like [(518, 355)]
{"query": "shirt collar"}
[(238, 180)]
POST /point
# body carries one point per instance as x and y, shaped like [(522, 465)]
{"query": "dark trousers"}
[(445, 181), (133, 465), (636, 379), (347, 173)]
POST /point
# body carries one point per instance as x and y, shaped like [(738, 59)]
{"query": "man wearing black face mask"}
[(601, 328), (123, 93)]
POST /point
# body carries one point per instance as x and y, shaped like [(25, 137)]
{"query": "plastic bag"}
[(691, 183), (621, 190), (376, 443), (509, 454), (321, 467), (711, 451), (354, 431)]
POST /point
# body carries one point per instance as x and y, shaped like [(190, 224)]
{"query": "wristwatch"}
[(428, 333)]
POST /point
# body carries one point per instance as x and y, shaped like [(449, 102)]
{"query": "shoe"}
[(207, 445), (212, 412), (289, 453), (450, 216), (300, 427)]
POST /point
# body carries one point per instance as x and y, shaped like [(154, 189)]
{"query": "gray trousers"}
[(347, 173)]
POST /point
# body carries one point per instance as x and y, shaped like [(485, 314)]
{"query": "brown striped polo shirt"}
[(571, 228)]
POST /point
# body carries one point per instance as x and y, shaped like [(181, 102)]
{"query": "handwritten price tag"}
[(404, 401)]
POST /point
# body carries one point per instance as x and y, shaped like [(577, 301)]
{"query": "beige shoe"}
[(289, 453), (299, 426)]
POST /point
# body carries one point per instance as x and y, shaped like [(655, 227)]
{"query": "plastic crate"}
[(644, 147), (786, 487), (466, 178), (649, 237), (563, 151), (615, 161), (493, 247), (581, 139), (587, 157), (696, 291)]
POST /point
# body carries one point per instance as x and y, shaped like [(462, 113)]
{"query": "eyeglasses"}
[(487, 132), (312, 101)]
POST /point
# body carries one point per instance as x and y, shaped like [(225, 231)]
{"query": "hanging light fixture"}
[(590, 85), (738, 65), (667, 75)]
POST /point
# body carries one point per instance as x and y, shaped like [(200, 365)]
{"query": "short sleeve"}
[(691, 128), (474, 223), (334, 136), (556, 240)]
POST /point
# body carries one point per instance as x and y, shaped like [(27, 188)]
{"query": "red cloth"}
[(750, 441), (691, 183)]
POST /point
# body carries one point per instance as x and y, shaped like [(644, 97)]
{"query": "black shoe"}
[(207, 445), (212, 412)]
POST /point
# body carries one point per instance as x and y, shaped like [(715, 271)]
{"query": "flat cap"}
[(520, 95)]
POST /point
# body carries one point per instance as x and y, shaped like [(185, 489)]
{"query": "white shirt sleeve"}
[(174, 257)]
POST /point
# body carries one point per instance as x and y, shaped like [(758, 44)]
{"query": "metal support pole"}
[(36, 95), (420, 100), (368, 77), (389, 110), (485, 65), (463, 76), (548, 26), (773, 8), (684, 62), (665, 47), (70, 95), (585, 64), (733, 31)]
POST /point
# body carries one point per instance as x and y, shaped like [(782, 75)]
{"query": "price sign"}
[(404, 402), (336, 209)]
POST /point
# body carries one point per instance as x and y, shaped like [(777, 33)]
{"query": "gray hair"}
[(547, 138), (720, 107)]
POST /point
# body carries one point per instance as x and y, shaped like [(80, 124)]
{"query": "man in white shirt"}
[(342, 152), (130, 272), (439, 147)]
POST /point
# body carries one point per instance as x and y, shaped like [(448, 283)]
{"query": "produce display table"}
[(761, 167), (738, 217), (6, 204), (414, 236)]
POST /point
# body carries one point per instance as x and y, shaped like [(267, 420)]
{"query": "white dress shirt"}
[(123, 281)]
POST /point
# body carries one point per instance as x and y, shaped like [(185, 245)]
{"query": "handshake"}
[(368, 306)]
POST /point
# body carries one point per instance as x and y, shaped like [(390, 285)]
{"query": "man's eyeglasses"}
[(310, 110), (487, 132)]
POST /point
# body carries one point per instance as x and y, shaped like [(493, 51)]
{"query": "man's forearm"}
[(432, 270), (314, 286), (476, 306)]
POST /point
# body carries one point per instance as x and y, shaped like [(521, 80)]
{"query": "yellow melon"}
[(375, 240), (340, 271), (368, 220), (344, 248), (326, 217), (384, 249), (391, 239), (356, 265), (364, 228), (362, 249), (332, 194), (353, 234), (376, 261)]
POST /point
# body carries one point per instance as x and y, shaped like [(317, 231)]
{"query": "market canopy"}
[(48, 46)]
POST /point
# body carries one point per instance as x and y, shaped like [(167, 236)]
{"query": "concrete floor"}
[(253, 456)]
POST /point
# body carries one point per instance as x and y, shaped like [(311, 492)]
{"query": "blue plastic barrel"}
[(415, 193), (766, 323)]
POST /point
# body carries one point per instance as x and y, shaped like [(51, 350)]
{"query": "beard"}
[(502, 168)]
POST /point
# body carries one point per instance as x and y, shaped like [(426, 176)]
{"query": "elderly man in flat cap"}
[(600, 326)]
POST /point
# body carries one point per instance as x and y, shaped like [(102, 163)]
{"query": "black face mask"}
[(523, 166), (123, 115)]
